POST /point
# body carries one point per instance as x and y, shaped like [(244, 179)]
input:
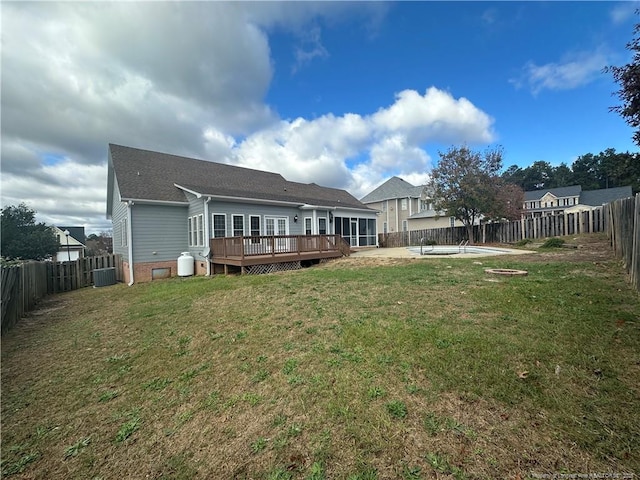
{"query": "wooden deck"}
[(274, 249)]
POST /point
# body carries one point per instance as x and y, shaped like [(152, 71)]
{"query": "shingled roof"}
[(395, 187), (595, 198), (559, 192), (161, 177)]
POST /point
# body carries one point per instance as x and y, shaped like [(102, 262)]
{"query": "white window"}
[(238, 225), (403, 204), (276, 225), (307, 225), (405, 225), (384, 227), (195, 231), (124, 233), (219, 225)]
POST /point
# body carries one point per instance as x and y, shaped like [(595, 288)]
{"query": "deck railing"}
[(273, 245)]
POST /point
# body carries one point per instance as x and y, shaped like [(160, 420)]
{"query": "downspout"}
[(130, 242), (206, 229)]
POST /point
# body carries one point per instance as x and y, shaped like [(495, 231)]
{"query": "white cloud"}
[(435, 116), (310, 48), (190, 79), (66, 193), (574, 71), (387, 142), (394, 154), (623, 11)]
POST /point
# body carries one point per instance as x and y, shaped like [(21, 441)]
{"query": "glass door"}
[(354, 233)]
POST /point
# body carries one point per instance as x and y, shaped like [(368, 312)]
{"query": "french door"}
[(277, 226)]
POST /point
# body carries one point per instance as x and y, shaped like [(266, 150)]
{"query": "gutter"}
[(130, 241), (206, 235)]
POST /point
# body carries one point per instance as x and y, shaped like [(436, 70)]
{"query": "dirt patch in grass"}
[(375, 368), (579, 248)]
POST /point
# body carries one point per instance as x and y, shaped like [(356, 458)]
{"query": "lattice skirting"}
[(271, 268)]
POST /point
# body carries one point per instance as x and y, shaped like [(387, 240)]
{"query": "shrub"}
[(553, 242), (523, 242)]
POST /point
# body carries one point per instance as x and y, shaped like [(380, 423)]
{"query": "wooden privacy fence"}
[(591, 221), (624, 233), (24, 284)]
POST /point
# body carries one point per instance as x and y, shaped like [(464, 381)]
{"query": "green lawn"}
[(425, 368)]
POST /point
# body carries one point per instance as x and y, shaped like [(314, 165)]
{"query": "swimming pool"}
[(455, 250)]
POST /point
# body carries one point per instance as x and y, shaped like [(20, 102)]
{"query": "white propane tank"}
[(185, 265)]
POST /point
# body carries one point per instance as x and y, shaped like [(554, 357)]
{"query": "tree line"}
[(469, 185), (606, 169)]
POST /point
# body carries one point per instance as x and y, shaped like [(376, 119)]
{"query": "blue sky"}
[(477, 50), (340, 94)]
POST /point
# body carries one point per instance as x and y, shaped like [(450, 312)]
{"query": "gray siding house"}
[(162, 205)]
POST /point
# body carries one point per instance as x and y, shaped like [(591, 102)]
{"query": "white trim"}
[(213, 224), (207, 231), (233, 225), (143, 201), (239, 199), (195, 229), (130, 241), (198, 195), (337, 207), (259, 224), (275, 219), (326, 224)]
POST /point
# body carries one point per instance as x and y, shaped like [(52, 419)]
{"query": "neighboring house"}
[(162, 205), (72, 243), (429, 218), (554, 201), (405, 207)]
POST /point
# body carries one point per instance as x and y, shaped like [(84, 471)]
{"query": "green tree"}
[(537, 176), (628, 77), (466, 185), (618, 169), (586, 171), (23, 238), (607, 169), (562, 176), (514, 174)]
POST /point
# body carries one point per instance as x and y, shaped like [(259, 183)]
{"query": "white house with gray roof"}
[(162, 204), (555, 201)]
